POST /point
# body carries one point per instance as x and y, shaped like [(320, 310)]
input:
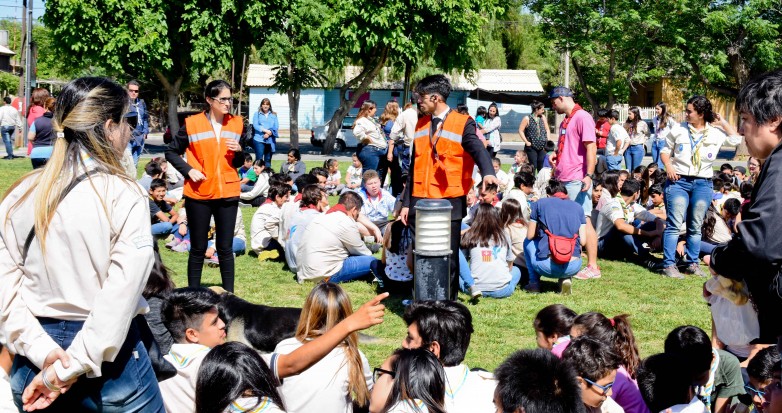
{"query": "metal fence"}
[(646, 113)]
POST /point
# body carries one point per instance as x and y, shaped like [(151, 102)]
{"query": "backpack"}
[(561, 248)]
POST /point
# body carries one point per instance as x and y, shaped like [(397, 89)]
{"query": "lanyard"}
[(435, 137)]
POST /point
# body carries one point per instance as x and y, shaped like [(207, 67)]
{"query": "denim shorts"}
[(127, 384), (583, 198)]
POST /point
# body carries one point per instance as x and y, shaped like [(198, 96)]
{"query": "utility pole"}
[(28, 57), (567, 68), (22, 45)]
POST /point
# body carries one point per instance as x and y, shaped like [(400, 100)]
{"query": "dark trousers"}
[(199, 213), (536, 157)]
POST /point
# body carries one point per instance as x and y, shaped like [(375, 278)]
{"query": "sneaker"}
[(565, 286), (589, 272), (532, 288), (474, 293), (695, 269), (176, 241), (268, 255), (244, 205), (183, 246), (672, 272), (212, 262)]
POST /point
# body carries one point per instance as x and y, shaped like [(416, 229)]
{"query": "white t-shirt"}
[(469, 391), (694, 406), (253, 405), (179, 391), (324, 386), (298, 223), (616, 134), (505, 180), (335, 177), (520, 196), (409, 406), (354, 175), (489, 266), (615, 209), (6, 396)]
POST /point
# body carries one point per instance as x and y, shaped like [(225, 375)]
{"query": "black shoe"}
[(8, 157)]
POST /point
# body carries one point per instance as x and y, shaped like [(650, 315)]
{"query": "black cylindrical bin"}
[(432, 280)]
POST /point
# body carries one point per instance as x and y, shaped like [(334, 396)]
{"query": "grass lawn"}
[(656, 304)]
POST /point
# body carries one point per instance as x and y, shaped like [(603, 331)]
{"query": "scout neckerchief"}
[(695, 146), (626, 211), (563, 129), (434, 137)]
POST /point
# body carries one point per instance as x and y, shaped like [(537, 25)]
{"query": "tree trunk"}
[(406, 92), (582, 83), (293, 103), (172, 92), (364, 79)]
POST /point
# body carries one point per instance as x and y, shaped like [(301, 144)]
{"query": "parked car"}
[(345, 138)]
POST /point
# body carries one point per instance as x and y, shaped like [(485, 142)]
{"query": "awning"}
[(507, 97)]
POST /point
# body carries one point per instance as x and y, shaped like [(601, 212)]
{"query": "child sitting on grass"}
[(353, 176), (595, 365), (163, 216), (265, 226), (491, 271), (333, 186), (397, 259), (552, 326), (665, 388)]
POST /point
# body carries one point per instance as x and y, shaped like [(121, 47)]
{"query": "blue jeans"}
[(634, 155), (238, 246), (263, 151), (136, 152), (355, 267), (163, 228), (546, 267), (583, 198), (686, 202), (127, 384), (374, 158), (614, 163), (706, 248), (658, 146), (8, 133), (618, 245), (465, 275), (506, 291)]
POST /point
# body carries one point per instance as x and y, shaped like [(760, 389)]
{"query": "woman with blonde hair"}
[(340, 379), (387, 120), (75, 258), (373, 147)]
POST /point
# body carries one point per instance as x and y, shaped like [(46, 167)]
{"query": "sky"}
[(13, 9)]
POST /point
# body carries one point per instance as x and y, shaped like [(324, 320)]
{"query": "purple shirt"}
[(572, 164), (625, 391)]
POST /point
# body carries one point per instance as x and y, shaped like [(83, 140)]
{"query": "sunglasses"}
[(133, 90), (605, 389), (224, 101), (377, 372), (755, 392)]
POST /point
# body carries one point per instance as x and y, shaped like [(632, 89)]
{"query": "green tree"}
[(179, 43), (291, 47), (525, 45), (374, 33), (608, 42)]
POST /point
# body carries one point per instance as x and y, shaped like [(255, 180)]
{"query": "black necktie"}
[(435, 123)]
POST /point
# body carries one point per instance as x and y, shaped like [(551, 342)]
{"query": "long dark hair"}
[(614, 331), (636, 111), (419, 375), (231, 371), (266, 100), (496, 111), (611, 182), (511, 213), (486, 229), (554, 319), (664, 116), (159, 283)]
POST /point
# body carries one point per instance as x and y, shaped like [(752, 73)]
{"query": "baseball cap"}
[(560, 91), (740, 169)]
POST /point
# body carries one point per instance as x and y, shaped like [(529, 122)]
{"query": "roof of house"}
[(520, 81), (5, 51)]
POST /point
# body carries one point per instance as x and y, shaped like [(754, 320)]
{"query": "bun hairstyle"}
[(702, 105)]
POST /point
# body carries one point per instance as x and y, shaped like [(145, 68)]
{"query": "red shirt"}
[(603, 128)]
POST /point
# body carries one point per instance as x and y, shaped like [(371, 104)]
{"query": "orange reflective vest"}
[(446, 172), (211, 157)]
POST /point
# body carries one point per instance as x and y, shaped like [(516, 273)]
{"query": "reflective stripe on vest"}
[(450, 174), (212, 157)]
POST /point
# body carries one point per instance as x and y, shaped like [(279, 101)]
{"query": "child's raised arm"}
[(370, 314)]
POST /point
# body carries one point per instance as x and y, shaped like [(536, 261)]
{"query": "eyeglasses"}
[(377, 372), (605, 389), (224, 101), (133, 90), (755, 392)]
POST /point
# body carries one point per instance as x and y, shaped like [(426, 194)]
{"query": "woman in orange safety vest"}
[(211, 143)]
